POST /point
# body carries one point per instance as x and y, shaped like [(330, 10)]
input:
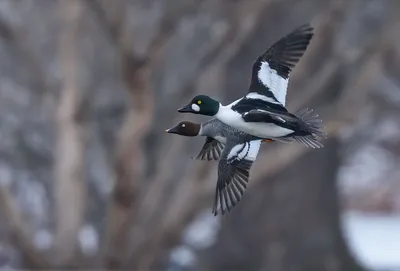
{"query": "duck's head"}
[(201, 104), (185, 128)]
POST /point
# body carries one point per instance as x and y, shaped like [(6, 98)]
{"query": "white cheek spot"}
[(183, 125), (195, 107)]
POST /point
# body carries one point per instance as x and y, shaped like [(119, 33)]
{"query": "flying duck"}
[(236, 152), (261, 112)]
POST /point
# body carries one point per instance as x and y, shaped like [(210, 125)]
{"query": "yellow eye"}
[(198, 102)]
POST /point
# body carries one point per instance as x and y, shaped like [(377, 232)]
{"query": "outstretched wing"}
[(211, 150), (233, 174), (270, 74)]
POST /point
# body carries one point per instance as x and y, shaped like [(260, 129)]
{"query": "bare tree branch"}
[(129, 162), (216, 59), (112, 25), (166, 217), (70, 186), (23, 239), (16, 39)]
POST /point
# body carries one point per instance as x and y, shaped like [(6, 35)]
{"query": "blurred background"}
[(89, 179)]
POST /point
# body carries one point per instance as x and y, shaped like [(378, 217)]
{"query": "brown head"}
[(185, 128)]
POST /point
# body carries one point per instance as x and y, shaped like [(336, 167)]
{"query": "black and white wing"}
[(233, 174), (211, 150), (270, 74), (307, 126), (269, 116)]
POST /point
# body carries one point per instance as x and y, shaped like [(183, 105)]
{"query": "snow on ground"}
[(200, 234), (374, 239), (366, 168)]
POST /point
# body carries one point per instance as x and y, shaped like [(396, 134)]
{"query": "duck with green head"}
[(261, 112)]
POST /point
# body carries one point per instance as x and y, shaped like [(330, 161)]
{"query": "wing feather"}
[(270, 73), (233, 174), (211, 150)]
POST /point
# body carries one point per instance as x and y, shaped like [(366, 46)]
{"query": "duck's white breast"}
[(263, 130)]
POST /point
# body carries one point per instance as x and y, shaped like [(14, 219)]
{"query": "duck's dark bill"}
[(186, 109), (172, 130)]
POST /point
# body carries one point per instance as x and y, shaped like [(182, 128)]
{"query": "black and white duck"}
[(262, 112)]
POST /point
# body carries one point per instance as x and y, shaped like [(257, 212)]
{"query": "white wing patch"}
[(270, 78), (256, 96), (247, 150), (238, 152), (254, 147)]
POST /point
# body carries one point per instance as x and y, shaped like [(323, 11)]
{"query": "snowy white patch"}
[(195, 107), (257, 96), (31, 195), (388, 129), (202, 232), (374, 239), (43, 239), (366, 168), (89, 239), (270, 78), (183, 256)]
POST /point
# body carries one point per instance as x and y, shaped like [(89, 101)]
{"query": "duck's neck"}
[(202, 130), (222, 111), (206, 128)]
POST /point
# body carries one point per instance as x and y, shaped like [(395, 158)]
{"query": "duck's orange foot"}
[(267, 140)]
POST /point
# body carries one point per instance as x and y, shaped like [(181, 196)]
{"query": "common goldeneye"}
[(236, 151), (261, 112)]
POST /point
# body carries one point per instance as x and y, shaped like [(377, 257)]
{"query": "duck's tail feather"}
[(312, 122), (313, 125)]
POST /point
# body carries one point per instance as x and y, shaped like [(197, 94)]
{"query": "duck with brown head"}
[(236, 152), (237, 130), (185, 128)]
